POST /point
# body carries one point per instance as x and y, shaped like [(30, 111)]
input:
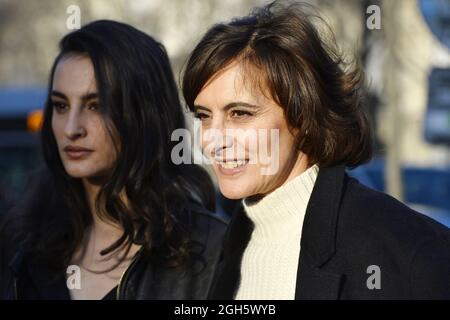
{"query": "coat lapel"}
[(228, 272), (318, 241)]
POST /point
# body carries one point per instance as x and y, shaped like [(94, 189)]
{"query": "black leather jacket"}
[(143, 279)]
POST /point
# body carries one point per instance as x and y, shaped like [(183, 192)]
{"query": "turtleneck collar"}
[(278, 214)]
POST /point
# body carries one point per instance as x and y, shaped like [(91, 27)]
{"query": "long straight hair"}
[(140, 104)]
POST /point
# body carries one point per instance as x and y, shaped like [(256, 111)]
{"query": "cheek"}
[(210, 139), (285, 138), (204, 141), (275, 150), (270, 141), (102, 139), (286, 146), (57, 127)]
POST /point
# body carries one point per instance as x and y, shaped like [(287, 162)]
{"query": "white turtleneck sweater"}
[(270, 261)]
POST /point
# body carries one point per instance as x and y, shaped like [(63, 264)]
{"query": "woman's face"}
[(255, 152), (85, 147)]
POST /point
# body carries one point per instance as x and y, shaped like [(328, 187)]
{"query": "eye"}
[(94, 106), (201, 115), (60, 106), (240, 114)]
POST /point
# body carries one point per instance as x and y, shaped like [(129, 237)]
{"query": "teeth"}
[(232, 164)]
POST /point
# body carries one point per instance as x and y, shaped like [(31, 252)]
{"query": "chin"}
[(234, 192), (80, 172)]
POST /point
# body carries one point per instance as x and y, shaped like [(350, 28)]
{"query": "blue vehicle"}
[(20, 115)]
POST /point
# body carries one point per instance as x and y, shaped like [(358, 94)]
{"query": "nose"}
[(223, 146), (217, 139), (75, 127)]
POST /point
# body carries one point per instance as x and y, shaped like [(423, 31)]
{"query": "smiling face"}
[(249, 126), (84, 144)]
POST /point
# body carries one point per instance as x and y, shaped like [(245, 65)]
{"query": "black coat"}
[(347, 228), (144, 279)]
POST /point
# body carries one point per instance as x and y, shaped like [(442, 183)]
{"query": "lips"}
[(77, 152), (231, 167)]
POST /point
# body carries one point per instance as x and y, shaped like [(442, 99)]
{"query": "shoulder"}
[(411, 249), (376, 227), (365, 208)]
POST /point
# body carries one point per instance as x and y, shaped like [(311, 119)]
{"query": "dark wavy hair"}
[(140, 103), (288, 59)]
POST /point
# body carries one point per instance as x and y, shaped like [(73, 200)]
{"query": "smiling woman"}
[(228, 103), (110, 202), (307, 230)]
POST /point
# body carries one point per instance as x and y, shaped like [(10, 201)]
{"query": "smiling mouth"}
[(232, 164)]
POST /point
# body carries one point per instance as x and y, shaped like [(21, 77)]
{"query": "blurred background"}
[(404, 46)]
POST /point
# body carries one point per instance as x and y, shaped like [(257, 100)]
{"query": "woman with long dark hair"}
[(306, 229), (111, 216)]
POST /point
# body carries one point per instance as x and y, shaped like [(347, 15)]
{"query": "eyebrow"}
[(229, 106), (86, 97)]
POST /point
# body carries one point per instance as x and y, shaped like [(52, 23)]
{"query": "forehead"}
[(74, 75), (234, 83)]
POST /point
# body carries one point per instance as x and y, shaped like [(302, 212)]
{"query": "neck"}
[(101, 234), (101, 223), (298, 165), (279, 214)]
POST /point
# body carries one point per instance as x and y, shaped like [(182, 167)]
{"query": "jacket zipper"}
[(125, 274)]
